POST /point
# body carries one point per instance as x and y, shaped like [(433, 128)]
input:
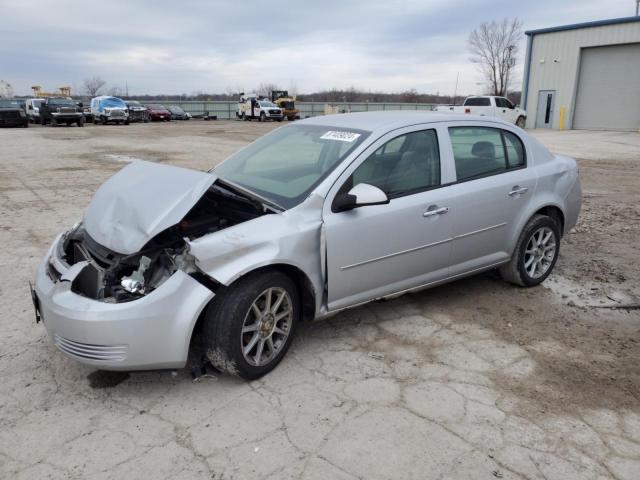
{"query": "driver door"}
[(377, 250)]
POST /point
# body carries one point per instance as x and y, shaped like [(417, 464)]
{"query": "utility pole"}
[(637, 7), (455, 91), (510, 63)]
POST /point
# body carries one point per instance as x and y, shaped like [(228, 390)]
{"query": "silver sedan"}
[(315, 217)]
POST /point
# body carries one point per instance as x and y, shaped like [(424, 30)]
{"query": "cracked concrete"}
[(475, 379)]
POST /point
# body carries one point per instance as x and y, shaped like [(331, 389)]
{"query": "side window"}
[(501, 102), (482, 151), (407, 164), (515, 150), (477, 102), (392, 146)]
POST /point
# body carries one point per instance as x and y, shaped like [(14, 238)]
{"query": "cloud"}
[(160, 46)]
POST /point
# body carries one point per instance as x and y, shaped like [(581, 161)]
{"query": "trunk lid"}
[(140, 201)]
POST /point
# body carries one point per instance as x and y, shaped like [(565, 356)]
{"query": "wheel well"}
[(555, 213), (307, 292), (307, 295)]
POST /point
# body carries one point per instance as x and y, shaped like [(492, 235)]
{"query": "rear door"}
[(376, 250), (493, 186)]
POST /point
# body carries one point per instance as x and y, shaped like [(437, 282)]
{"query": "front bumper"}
[(152, 332), (67, 116), (13, 122)]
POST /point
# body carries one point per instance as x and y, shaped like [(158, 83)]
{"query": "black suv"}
[(57, 110), (12, 114)]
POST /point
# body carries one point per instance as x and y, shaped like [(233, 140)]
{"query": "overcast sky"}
[(158, 46)]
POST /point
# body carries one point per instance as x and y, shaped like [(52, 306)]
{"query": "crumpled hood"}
[(140, 201)]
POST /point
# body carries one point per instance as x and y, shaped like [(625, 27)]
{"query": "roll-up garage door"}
[(609, 88)]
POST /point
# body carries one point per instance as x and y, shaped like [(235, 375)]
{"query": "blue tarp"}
[(112, 102)]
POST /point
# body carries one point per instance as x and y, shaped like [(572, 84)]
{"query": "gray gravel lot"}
[(475, 379)]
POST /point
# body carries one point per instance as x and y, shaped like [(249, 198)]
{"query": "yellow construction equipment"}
[(39, 93), (282, 99)]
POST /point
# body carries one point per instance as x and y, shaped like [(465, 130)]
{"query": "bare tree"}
[(115, 91), (265, 89), (93, 85), (494, 47)]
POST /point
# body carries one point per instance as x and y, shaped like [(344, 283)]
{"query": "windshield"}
[(285, 165), (155, 106), (113, 102), (176, 109), (264, 103), (5, 103), (61, 101), (37, 103)]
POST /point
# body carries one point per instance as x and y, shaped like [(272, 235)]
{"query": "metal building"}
[(584, 76)]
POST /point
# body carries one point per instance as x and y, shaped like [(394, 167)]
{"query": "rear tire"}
[(535, 254), (245, 333)]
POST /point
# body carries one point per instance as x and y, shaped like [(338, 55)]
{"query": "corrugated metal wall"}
[(555, 64), (227, 110)]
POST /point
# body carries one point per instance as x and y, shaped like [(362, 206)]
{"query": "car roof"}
[(393, 119)]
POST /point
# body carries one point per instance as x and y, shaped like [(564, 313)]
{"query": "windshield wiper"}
[(250, 195)]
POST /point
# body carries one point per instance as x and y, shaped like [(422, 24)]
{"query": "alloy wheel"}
[(540, 252), (266, 326)]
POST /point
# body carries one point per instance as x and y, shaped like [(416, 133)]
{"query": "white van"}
[(32, 106)]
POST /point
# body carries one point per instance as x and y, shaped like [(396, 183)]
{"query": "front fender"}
[(289, 239)]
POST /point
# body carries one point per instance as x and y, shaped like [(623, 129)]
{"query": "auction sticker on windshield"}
[(340, 136)]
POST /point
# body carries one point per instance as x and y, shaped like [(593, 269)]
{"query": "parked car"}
[(158, 112), (58, 110), (177, 113), (107, 109), (137, 111), (321, 215), (33, 109), (491, 106), (12, 114), (86, 112)]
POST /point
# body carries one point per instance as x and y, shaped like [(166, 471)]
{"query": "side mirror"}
[(361, 195), (80, 104)]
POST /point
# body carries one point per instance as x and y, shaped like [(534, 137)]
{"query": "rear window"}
[(477, 102)]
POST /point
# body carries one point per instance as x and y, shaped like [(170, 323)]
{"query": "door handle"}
[(435, 210), (518, 190)]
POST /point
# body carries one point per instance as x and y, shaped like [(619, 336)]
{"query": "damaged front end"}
[(109, 275)]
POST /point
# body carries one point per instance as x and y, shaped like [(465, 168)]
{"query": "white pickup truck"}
[(489, 106)]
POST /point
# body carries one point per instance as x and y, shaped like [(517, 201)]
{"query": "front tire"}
[(263, 117), (535, 254), (521, 121), (250, 325)]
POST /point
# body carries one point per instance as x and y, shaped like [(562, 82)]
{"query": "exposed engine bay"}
[(114, 277)]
